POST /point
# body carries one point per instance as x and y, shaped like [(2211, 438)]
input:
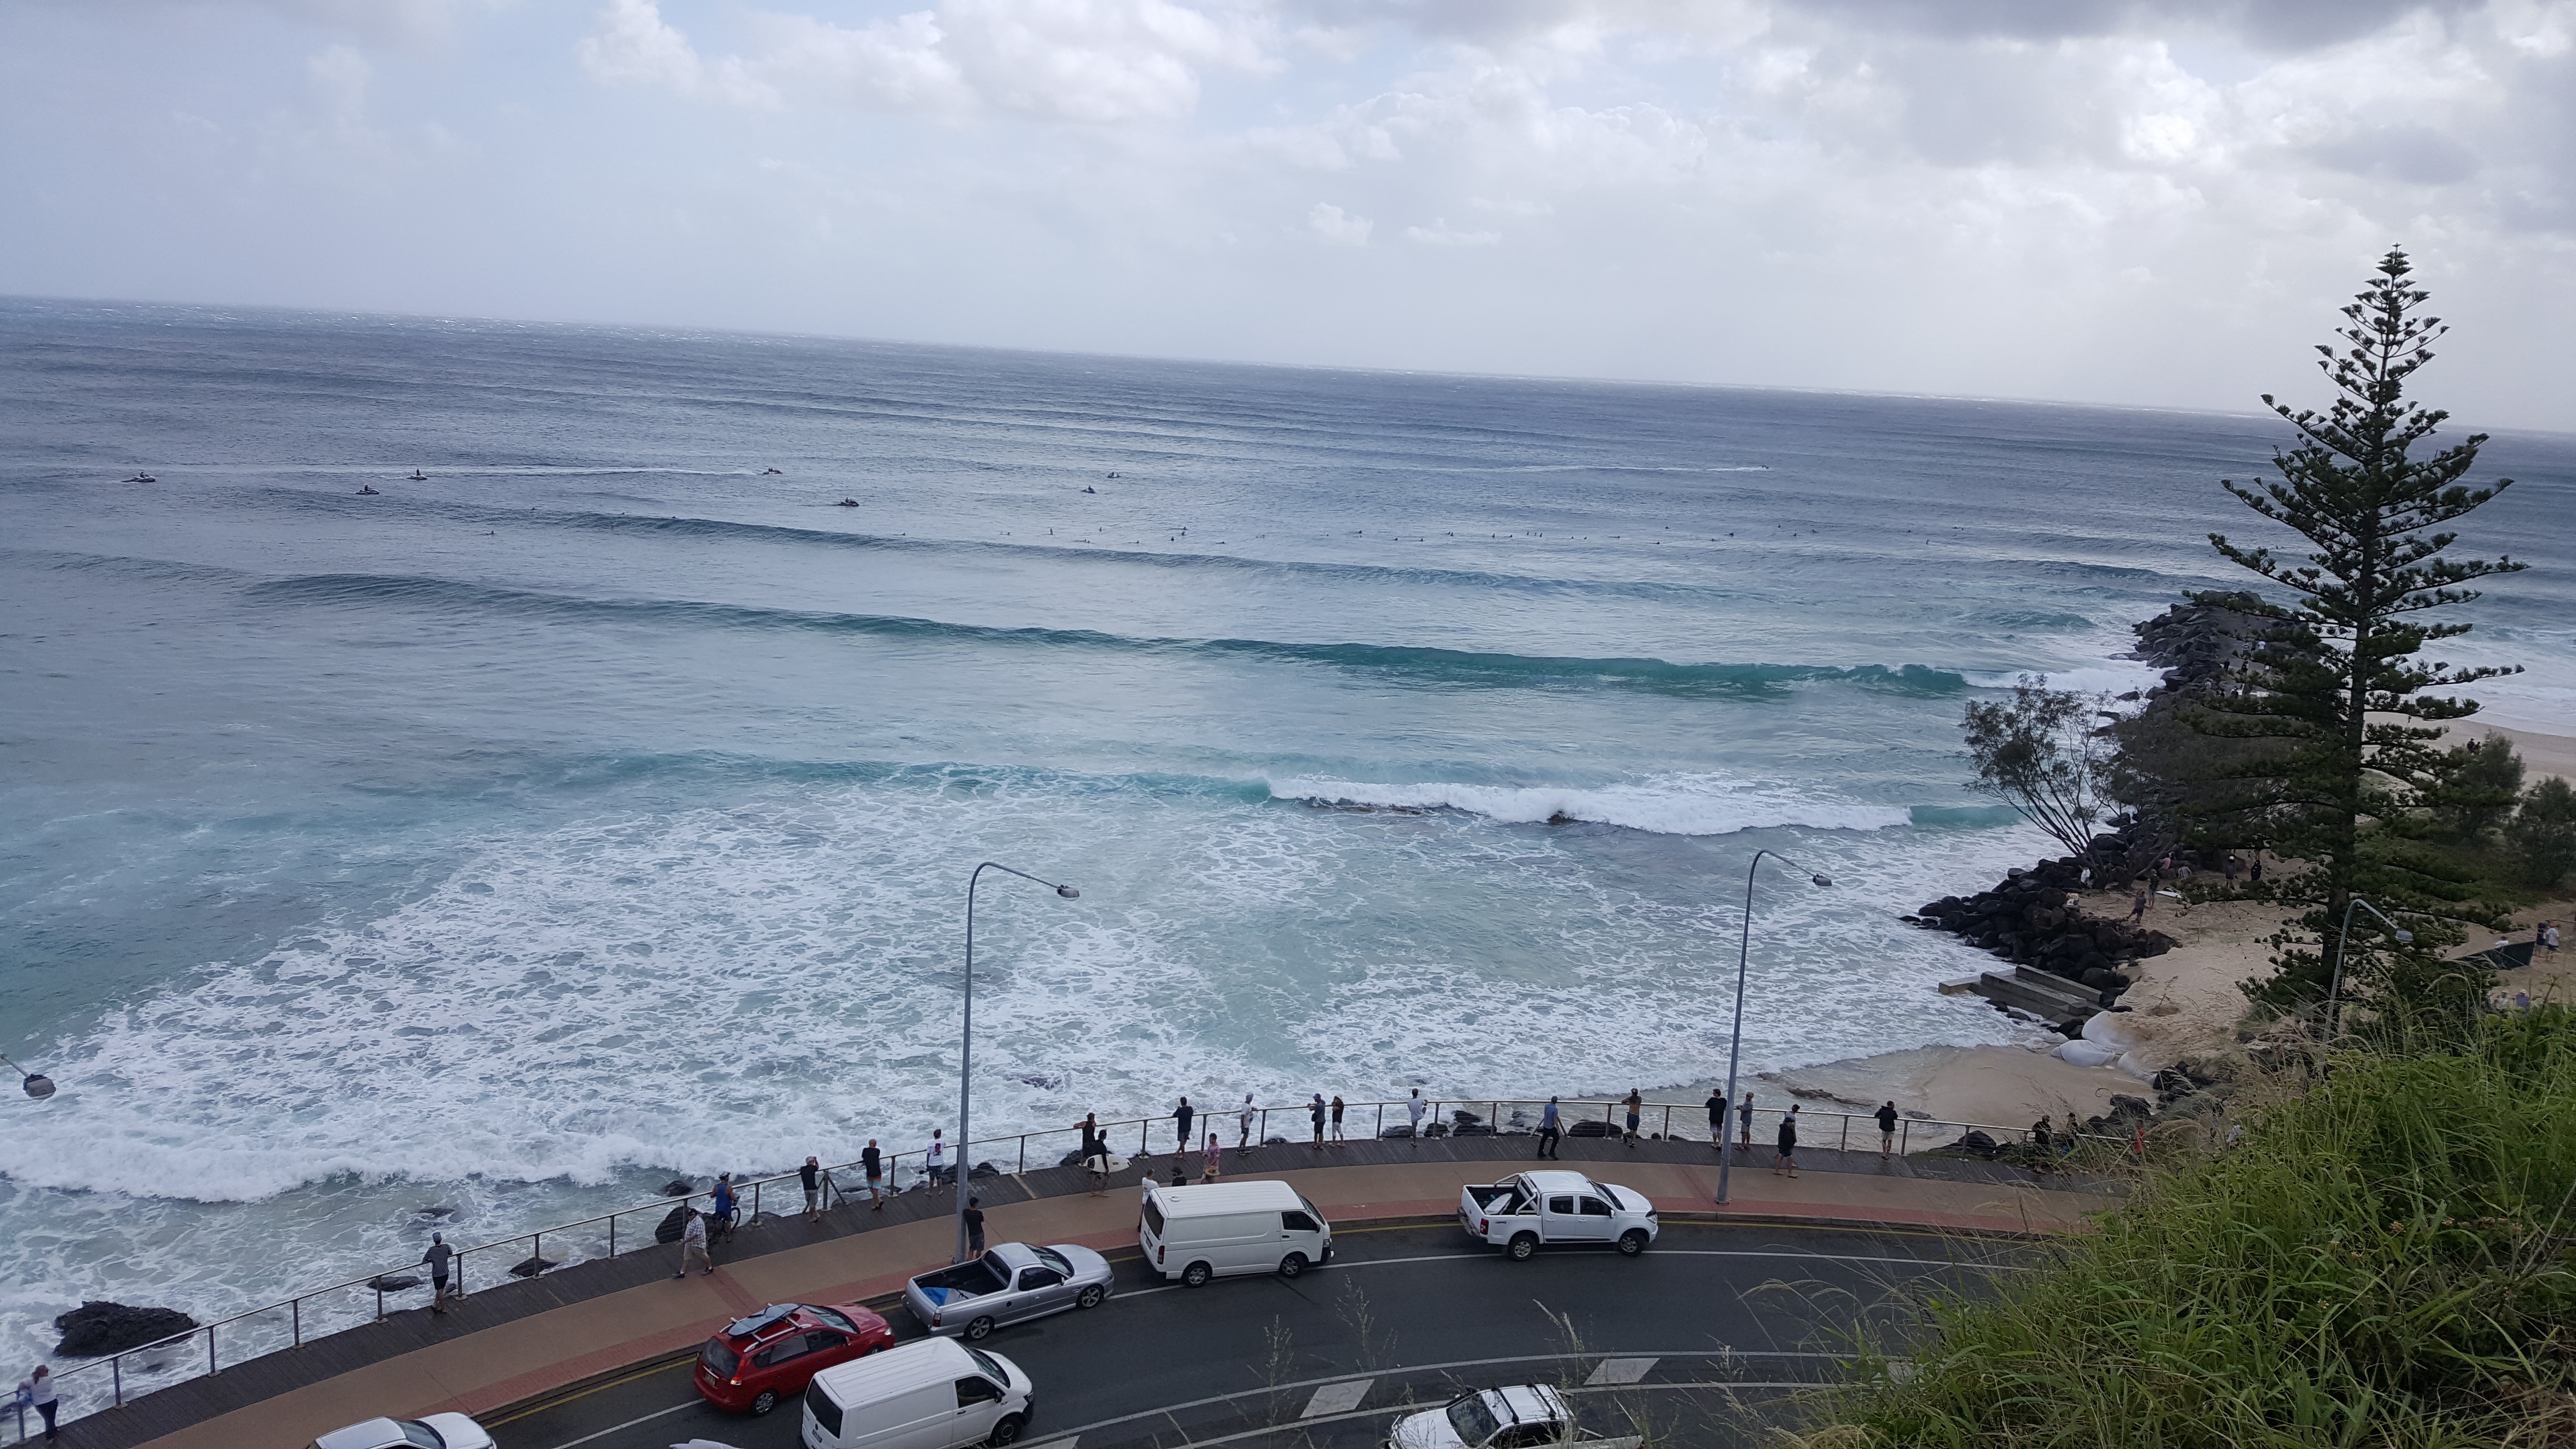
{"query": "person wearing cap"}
[(811, 1174)]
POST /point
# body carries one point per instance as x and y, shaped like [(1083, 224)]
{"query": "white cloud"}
[(633, 44), (1439, 234), (1338, 226), (340, 75)]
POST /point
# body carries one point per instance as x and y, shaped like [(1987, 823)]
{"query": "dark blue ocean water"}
[(601, 805)]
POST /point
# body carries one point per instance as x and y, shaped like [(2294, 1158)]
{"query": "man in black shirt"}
[(974, 1225), (1181, 1119), (1887, 1130), (437, 1258), (811, 1174), (872, 1167)]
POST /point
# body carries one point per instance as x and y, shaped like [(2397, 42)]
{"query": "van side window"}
[(1594, 1207), (972, 1390), (1563, 1205), (1298, 1223)]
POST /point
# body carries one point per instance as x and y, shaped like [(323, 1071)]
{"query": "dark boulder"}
[(985, 1169), (2099, 978), (531, 1267), (2124, 1107), (678, 1187), (394, 1283), (1978, 1143), (1588, 1127), (672, 1225), (1400, 1129), (95, 1330)]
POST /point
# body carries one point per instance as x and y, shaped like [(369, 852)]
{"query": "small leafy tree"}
[(2042, 753), (2484, 780), (2543, 832), (2334, 676)]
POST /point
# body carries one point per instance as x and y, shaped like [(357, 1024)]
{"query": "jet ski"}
[(847, 503), (368, 491), (142, 478)]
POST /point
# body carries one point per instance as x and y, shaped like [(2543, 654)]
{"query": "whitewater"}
[(599, 807)]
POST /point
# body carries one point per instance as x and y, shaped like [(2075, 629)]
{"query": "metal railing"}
[(257, 1331)]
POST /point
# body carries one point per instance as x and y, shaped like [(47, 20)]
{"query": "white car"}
[(1528, 1210), (436, 1431), (1521, 1417)]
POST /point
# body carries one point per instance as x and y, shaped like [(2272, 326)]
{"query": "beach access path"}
[(519, 1342)]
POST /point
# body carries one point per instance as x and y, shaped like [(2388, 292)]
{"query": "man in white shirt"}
[(693, 1244), (936, 1159), (1414, 1108)]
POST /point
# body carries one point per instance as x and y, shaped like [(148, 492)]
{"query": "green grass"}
[(2384, 1260)]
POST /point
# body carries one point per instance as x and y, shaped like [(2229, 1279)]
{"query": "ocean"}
[(600, 805)]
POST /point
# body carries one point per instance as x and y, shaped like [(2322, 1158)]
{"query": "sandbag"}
[(2081, 1053)]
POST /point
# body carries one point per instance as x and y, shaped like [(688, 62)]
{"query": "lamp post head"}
[(1068, 892), (1822, 880), (2405, 937), (38, 1085)]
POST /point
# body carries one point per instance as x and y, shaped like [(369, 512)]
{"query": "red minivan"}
[(759, 1362)]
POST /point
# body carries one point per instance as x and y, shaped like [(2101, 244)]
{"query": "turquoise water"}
[(601, 806)]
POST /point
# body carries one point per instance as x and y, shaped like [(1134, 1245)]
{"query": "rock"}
[(1282, 1141), (1587, 1127), (1463, 1117), (985, 1169), (1978, 1143), (2097, 978), (1429, 1129), (394, 1283), (531, 1267), (1472, 1129), (95, 1330), (678, 1187), (2124, 1106), (1400, 1129), (433, 1214), (672, 1225), (1070, 1159)]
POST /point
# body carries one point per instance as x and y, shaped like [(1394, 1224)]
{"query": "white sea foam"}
[(1677, 804)]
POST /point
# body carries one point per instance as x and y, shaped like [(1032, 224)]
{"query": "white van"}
[(932, 1393), (1221, 1228)]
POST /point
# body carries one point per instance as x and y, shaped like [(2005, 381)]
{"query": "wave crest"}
[(1661, 805)]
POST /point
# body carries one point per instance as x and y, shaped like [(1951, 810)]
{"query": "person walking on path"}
[(1095, 1160), (1635, 1105), (811, 1174), (1337, 1118), (1716, 1119), (39, 1389), (437, 1259), (1181, 1119), (1243, 1143), (1180, 1172), (2138, 907), (693, 1244), (872, 1167), (1551, 1129), (1887, 1129), (1316, 1110), (975, 1225), (1747, 1124), (1414, 1107), (935, 1161), (1788, 1162), (1215, 1158)]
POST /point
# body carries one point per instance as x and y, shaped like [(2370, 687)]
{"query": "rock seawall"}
[(2034, 921)]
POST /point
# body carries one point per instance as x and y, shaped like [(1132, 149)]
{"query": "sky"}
[(2149, 202)]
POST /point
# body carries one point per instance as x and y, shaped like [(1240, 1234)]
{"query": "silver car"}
[(1011, 1283)]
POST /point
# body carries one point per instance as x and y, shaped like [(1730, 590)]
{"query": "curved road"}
[(1714, 1321)]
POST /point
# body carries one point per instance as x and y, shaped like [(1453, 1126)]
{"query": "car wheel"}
[(1196, 1275), (765, 1401), (1633, 1241), (1006, 1431), (980, 1329), (1091, 1297), (1522, 1247), (1292, 1265)]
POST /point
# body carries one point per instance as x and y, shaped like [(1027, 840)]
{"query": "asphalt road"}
[(1709, 1328)]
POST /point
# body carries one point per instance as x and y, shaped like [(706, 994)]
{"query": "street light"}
[(964, 1170), (1735, 1043), (38, 1085), (2334, 988)]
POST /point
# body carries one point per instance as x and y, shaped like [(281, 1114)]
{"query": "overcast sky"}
[(2158, 202)]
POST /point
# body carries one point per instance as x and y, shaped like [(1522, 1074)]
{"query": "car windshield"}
[(416, 1432), (990, 1367), (1474, 1422), (1055, 1260), (829, 1319)]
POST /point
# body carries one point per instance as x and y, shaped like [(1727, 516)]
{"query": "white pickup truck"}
[(1525, 1416), (1530, 1210)]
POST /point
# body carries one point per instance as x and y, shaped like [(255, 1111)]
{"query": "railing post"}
[(1381, 1119), (210, 1350), (116, 1373), (380, 1314), (612, 1235), (1668, 1121), (1904, 1135), (1846, 1147), (537, 1255), (755, 1202), (1143, 1125)]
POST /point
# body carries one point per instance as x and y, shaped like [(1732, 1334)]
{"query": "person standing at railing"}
[(724, 1207), (934, 1162), (1635, 1102), (811, 1174), (436, 1260), (1414, 1107), (1746, 1125), (1716, 1119), (39, 1389), (1788, 1162), (1337, 1119), (1243, 1143), (1887, 1130), (1551, 1129), (1316, 1111), (872, 1167), (1181, 1119), (1215, 1159)]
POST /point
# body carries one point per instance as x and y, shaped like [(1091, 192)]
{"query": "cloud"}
[(1439, 234), (1338, 226), (632, 44), (340, 75)]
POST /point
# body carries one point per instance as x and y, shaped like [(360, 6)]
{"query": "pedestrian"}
[(2549, 938), (1551, 1129), (1887, 1129), (1716, 1119), (2084, 878), (1181, 1119), (2182, 875), (1745, 1125), (693, 1244), (1243, 1143), (2138, 907), (1316, 1110), (1095, 1160), (40, 1392), (1635, 1105), (872, 1167), (436, 1259), (1788, 1162), (974, 1225), (1180, 1177), (1215, 1156), (1414, 1107), (723, 1230), (2231, 867), (811, 1174), (1337, 1119), (934, 1161), (2254, 872)]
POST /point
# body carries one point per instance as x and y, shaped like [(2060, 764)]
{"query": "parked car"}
[(1010, 1283), (1221, 1228), (1522, 1417), (756, 1363), (432, 1431), (1529, 1210), (932, 1393)]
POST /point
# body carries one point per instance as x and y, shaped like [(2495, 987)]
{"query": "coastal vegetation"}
[(2383, 1257)]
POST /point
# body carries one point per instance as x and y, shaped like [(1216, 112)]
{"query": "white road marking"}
[(629, 1424), (1619, 1371), (1338, 1398)]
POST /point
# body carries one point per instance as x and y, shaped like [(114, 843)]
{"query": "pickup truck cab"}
[(1530, 1210), (1522, 1417), (1010, 1283)]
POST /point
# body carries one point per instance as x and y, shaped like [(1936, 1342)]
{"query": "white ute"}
[(1522, 1417), (1530, 1210)]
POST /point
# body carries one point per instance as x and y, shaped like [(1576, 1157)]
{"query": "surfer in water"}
[(1087, 488), (418, 476), (367, 491), (847, 503)]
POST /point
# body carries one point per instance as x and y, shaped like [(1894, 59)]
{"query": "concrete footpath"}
[(495, 1353)]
